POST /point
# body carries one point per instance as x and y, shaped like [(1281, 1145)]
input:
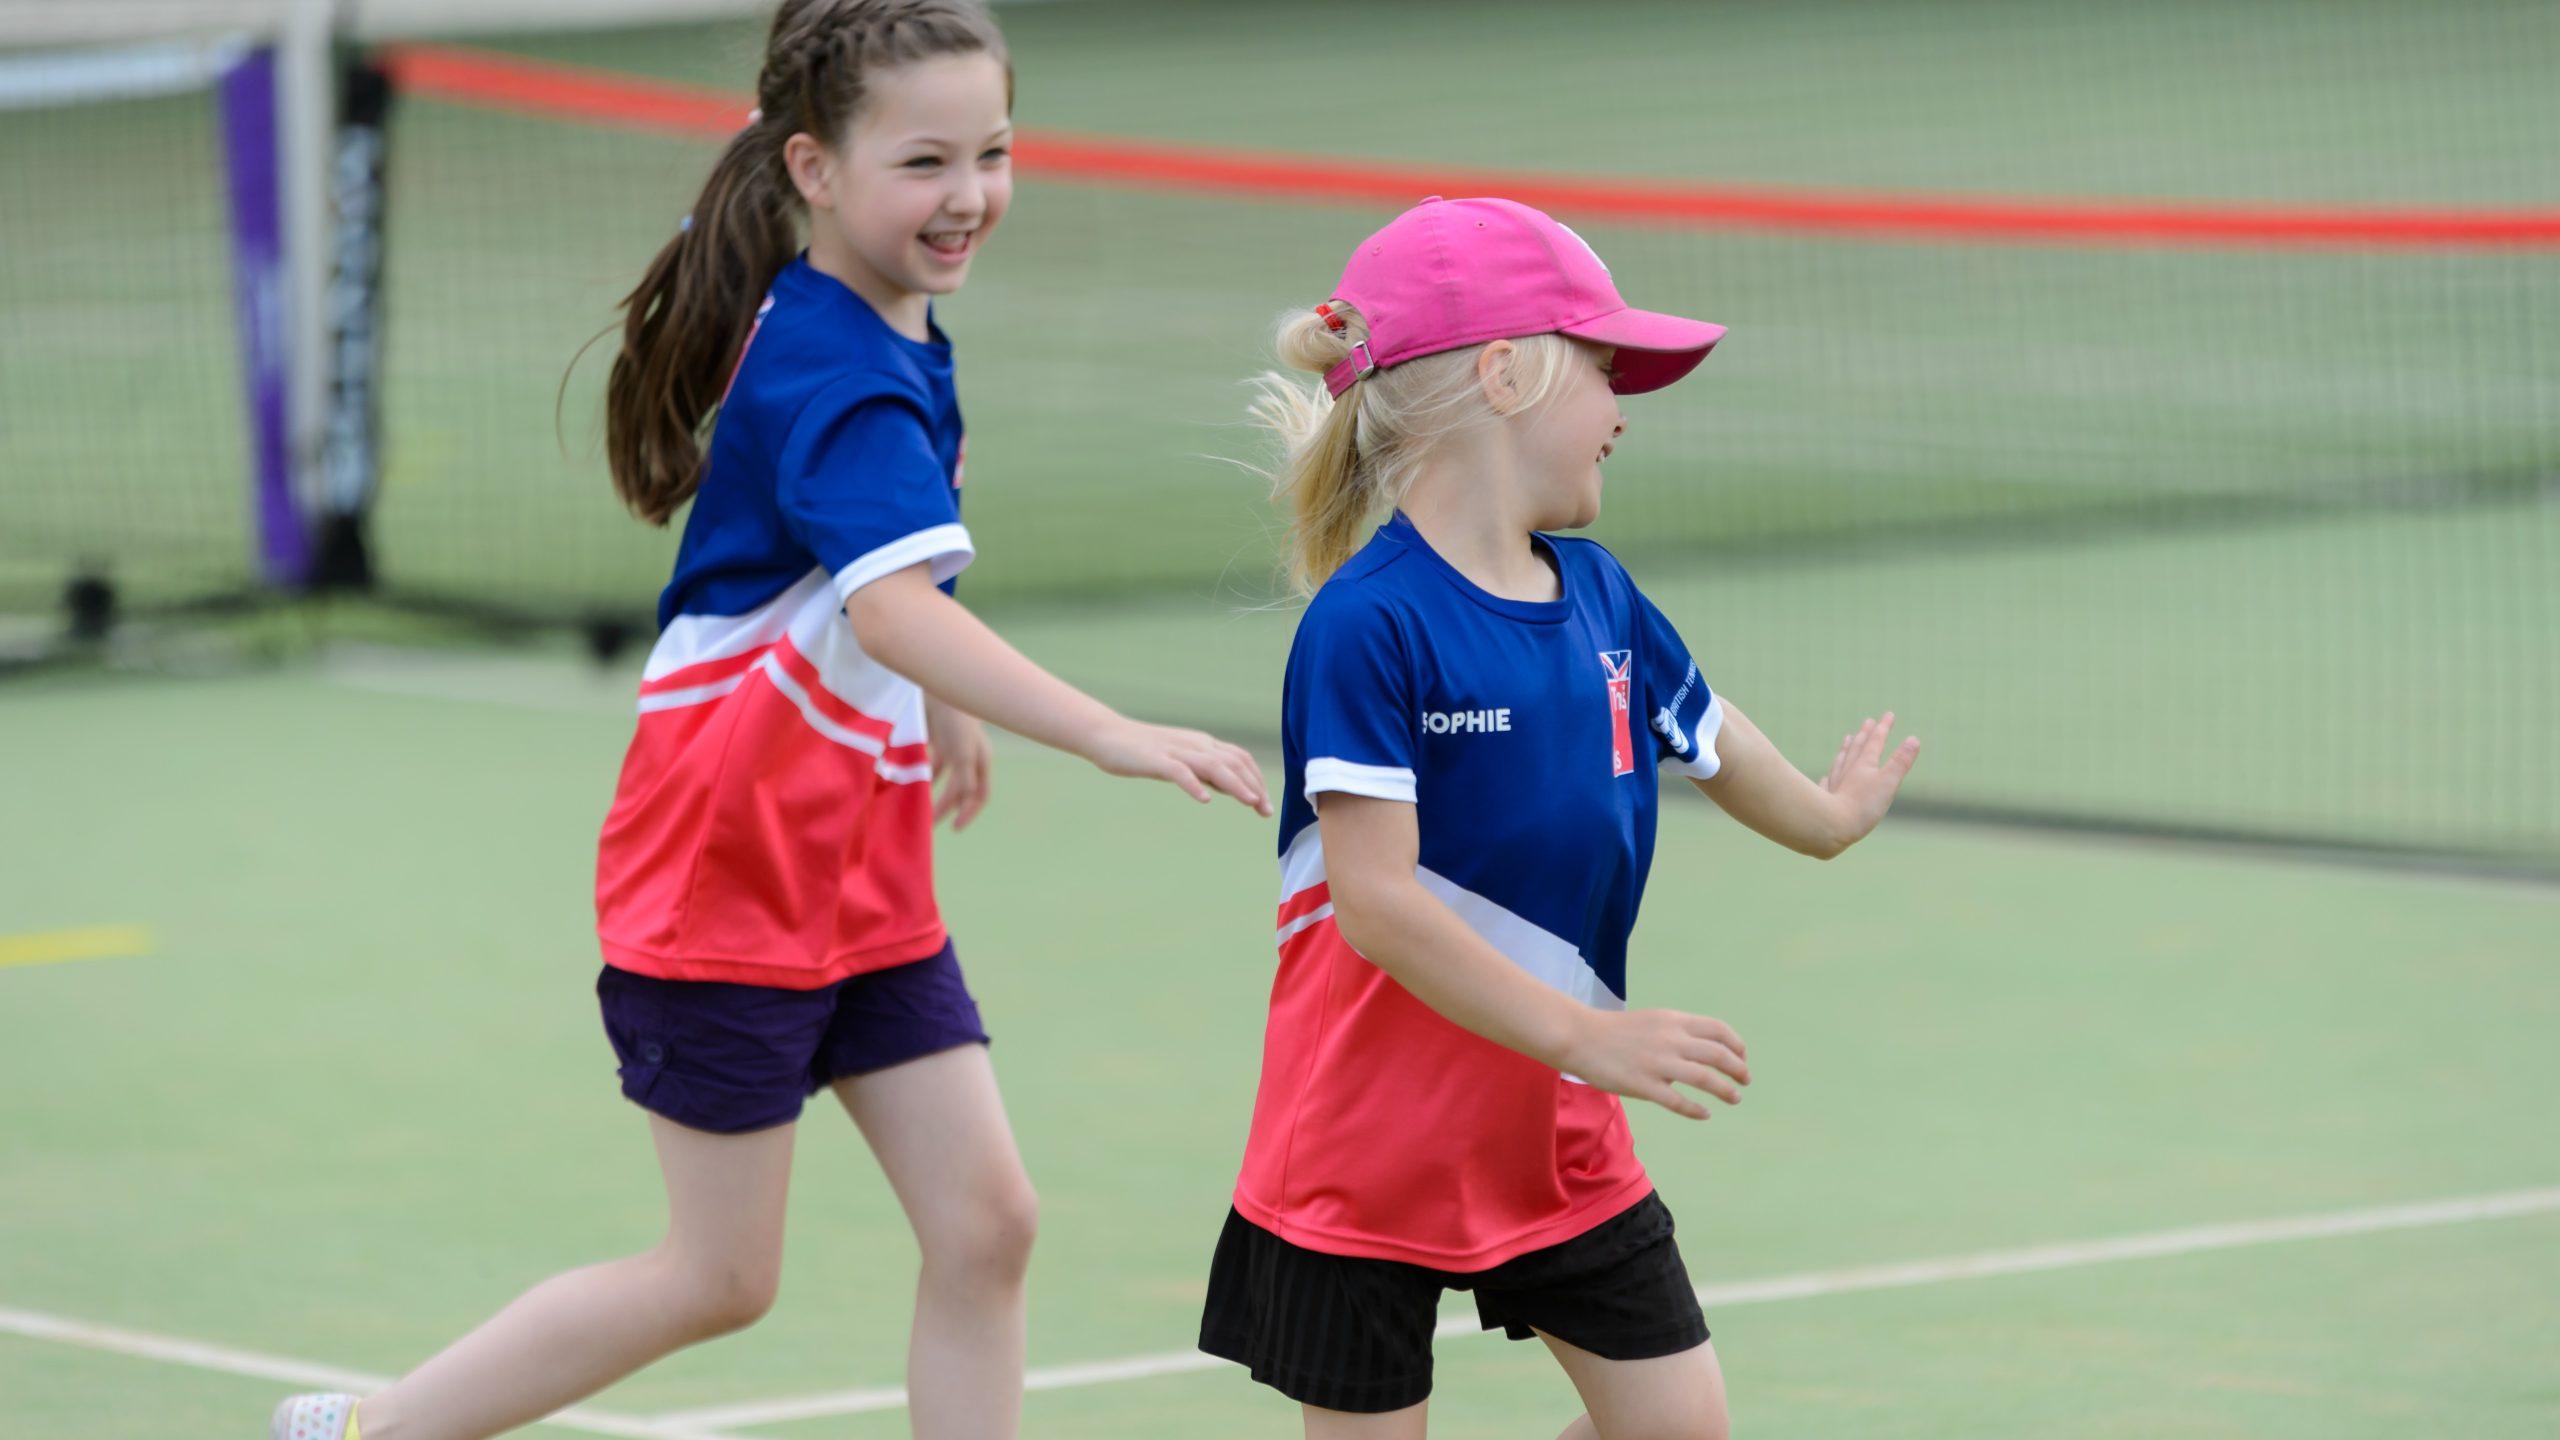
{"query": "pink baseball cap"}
[(1451, 273)]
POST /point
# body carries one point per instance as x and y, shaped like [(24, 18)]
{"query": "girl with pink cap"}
[(1473, 717)]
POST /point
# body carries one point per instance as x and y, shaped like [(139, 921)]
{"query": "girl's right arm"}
[(904, 622), (1371, 847)]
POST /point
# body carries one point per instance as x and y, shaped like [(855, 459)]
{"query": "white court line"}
[(752, 1413), (177, 1351), (2189, 1240)]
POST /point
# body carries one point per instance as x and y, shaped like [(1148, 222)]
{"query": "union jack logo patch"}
[(1616, 665)]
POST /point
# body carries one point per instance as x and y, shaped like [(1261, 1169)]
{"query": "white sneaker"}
[(314, 1417)]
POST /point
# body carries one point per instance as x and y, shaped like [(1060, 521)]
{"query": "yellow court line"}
[(89, 942)]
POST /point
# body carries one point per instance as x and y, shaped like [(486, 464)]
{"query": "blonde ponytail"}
[(1320, 479), (1345, 461)]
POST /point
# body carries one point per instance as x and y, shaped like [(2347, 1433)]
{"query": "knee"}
[(988, 1240), (724, 1297), (738, 1298)]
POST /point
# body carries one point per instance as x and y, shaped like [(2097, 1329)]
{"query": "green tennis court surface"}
[(356, 1097)]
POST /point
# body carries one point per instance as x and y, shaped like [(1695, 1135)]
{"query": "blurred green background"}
[(2203, 538)]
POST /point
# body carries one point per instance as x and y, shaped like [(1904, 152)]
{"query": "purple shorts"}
[(727, 1058)]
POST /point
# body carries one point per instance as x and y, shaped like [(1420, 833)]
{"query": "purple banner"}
[(264, 302)]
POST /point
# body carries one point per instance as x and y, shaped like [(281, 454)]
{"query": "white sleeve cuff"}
[(1708, 762), (946, 546), (1378, 782)]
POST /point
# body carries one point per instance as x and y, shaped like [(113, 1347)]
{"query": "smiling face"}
[(900, 207), (1563, 439)]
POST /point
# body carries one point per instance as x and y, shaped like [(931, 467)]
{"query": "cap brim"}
[(1653, 349)]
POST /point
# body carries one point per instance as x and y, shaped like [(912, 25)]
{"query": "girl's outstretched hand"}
[(1197, 762), (1650, 1054), (964, 764), (1864, 778)]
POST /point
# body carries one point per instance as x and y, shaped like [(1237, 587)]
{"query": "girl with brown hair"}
[(764, 883)]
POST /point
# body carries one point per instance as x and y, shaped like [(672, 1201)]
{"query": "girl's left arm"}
[(1756, 785)]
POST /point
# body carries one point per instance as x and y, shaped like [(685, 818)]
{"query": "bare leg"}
[(937, 1125), (576, 1333), (1580, 1429), (1408, 1423), (1677, 1397)]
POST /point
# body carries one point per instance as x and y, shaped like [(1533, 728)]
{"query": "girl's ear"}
[(1493, 375), (811, 166)]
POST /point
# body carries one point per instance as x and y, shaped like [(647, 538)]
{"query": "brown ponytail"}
[(684, 323)]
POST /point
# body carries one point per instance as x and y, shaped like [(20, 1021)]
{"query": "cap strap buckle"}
[(1357, 366)]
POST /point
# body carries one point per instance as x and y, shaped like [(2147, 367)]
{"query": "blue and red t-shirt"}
[(1526, 735), (773, 822)]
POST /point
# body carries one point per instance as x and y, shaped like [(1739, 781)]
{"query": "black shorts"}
[(1343, 1333)]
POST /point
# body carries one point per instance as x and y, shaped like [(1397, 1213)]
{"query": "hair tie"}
[(1332, 321)]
